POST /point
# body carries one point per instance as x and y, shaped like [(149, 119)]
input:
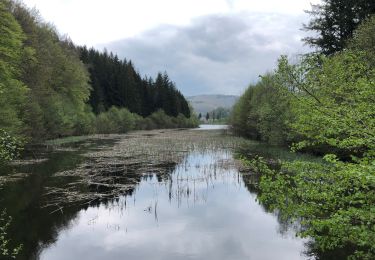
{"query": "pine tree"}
[(335, 21), (117, 83)]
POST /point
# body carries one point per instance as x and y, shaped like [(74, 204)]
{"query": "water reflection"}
[(202, 210), (32, 225), (212, 127)]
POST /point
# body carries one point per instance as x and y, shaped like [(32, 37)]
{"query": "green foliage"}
[(84, 122), (12, 91), (262, 112), (334, 102), (333, 202), (117, 83), (364, 40), (335, 21), (47, 92), (120, 120), (115, 120), (5, 252), (330, 108), (56, 79), (104, 125), (160, 119), (9, 146), (240, 120), (11, 45)]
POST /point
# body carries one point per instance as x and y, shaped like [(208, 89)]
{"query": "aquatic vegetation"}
[(114, 171)]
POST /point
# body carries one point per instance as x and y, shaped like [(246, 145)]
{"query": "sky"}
[(206, 46)]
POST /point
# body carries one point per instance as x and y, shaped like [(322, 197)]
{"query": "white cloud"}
[(215, 53), (96, 21), (271, 6), (206, 46)]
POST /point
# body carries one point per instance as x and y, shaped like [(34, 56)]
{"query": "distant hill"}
[(206, 103)]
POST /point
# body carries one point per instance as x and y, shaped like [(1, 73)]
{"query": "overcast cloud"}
[(215, 53), (206, 46)]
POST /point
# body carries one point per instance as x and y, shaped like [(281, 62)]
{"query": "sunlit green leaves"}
[(263, 112), (335, 203), (9, 146), (332, 103), (12, 90)]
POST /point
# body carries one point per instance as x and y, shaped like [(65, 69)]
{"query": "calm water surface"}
[(203, 211), (212, 127)]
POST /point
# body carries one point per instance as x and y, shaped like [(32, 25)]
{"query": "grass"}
[(67, 140)]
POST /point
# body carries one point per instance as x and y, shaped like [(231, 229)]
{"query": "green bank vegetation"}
[(50, 88), (322, 105), (5, 251)]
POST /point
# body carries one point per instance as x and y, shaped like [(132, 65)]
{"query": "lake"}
[(212, 127), (175, 194)]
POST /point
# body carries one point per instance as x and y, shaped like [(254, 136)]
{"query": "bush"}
[(104, 125), (127, 120), (161, 119), (262, 113), (85, 123), (9, 146)]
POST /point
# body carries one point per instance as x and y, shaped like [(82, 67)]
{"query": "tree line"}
[(322, 104), (218, 115), (51, 88), (115, 82)]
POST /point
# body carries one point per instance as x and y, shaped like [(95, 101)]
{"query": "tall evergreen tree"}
[(334, 21), (117, 83)]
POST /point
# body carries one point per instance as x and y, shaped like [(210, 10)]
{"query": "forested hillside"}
[(52, 88), (117, 83), (323, 104)]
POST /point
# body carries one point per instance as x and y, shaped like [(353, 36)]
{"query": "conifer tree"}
[(335, 21)]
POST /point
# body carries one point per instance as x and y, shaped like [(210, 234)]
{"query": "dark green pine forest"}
[(116, 82), (52, 88)]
